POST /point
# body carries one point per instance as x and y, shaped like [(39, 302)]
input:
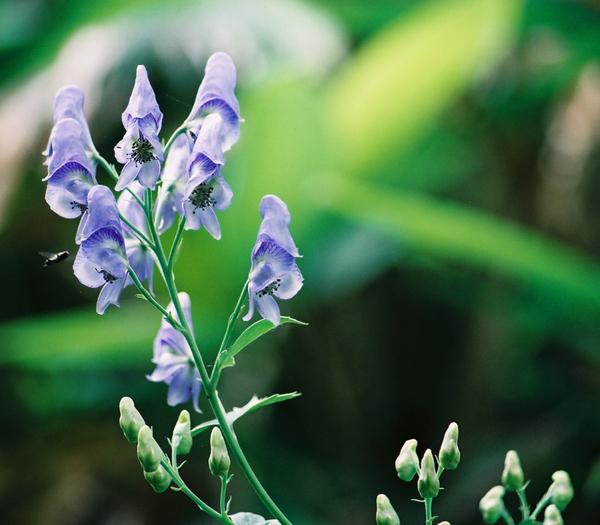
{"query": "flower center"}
[(201, 197), (270, 289), (108, 277), (142, 151), (79, 206)]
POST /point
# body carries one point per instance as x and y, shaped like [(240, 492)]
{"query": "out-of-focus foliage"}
[(443, 179)]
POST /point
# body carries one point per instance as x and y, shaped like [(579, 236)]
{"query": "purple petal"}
[(130, 208), (128, 175), (86, 272), (103, 211), (222, 193), (289, 284), (110, 294), (180, 387), (268, 308), (149, 173), (66, 144), (142, 101), (275, 223), (67, 190), (106, 249), (68, 103)]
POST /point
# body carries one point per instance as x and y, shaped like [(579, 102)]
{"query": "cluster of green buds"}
[(408, 466), (554, 501)]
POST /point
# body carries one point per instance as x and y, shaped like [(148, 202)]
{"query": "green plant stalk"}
[(209, 389), (508, 518), (181, 129), (428, 511), (223, 498), (546, 498), (176, 243), (524, 503)]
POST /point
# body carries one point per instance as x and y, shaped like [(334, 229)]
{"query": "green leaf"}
[(251, 406), (249, 335)]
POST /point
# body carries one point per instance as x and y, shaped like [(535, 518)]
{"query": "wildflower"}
[(68, 103), (216, 95), (139, 256), (71, 174), (140, 149), (174, 181), (407, 462), (174, 361), (206, 189), (101, 260), (274, 272), (513, 477), (386, 515)]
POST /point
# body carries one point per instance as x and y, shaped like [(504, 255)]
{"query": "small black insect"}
[(53, 258)]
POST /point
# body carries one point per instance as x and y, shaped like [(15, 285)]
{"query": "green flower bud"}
[(428, 484), (561, 489), (386, 515), (182, 434), (449, 455), (492, 504), (512, 475), (218, 461), (444, 523), (159, 479), (130, 420), (552, 516), (148, 451), (407, 462)]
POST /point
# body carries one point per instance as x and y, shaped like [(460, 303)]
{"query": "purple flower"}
[(71, 174), (174, 361), (206, 189), (216, 95), (101, 260), (140, 149), (174, 181), (68, 103), (139, 256), (274, 272)]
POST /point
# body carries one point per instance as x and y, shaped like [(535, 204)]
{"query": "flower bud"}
[(449, 455), (159, 479), (492, 504), (218, 461), (130, 419), (407, 462), (182, 434), (148, 451), (428, 484), (386, 515), (561, 489), (512, 475), (444, 523), (552, 516)]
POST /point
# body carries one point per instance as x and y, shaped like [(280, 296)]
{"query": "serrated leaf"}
[(251, 406), (251, 334), (247, 518)]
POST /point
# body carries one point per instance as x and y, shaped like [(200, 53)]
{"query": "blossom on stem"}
[(274, 272), (101, 260), (174, 178), (216, 94), (71, 174), (206, 190), (174, 362), (140, 150)]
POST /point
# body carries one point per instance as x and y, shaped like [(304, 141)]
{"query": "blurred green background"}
[(442, 163)]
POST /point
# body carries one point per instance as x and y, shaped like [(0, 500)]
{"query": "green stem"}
[(223, 498), (546, 498), (140, 235), (439, 472), (209, 390), (190, 494), (176, 243), (508, 518), (428, 511), (181, 129), (524, 503)]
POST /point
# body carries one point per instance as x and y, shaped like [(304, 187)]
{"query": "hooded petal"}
[(110, 294), (103, 211), (106, 249), (180, 387), (275, 223), (207, 154), (66, 144), (68, 103), (289, 284), (86, 271), (269, 262), (67, 190), (142, 101)]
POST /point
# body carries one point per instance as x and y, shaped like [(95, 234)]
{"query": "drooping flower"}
[(101, 260), (206, 190), (71, 174), (174, 181), (216, 94), (138, 254), (174, 362), (140, 150), (274, 272)]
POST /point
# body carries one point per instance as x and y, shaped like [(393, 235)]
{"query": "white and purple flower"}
[(140, 150), (206, 190), (101, 260), (274, 272), (174, 361)]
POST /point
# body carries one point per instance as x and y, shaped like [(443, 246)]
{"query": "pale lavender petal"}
[(68, 103), (222, 193), (289, 284), (67, 190), (180, 387), (142, 101), (128, 174), (268, 308), (149, 173), (110, 294), (275, 223), (86, 272), (106, 249), (103, 211)]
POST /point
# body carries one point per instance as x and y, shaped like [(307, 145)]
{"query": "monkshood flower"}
[(174, 181), (140, 149), (216, 94), (274, 272), (173, 359), (71, 174), (101, 260), (138, 254), (206, 190)]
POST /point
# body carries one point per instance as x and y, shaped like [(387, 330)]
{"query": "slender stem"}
[(176, 243), (546, 498), (439, 472), (507, 517), (223, 498), (190, 494), (181, 129), (524, 503), (428, 512), (209, 390), (139, 234)]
